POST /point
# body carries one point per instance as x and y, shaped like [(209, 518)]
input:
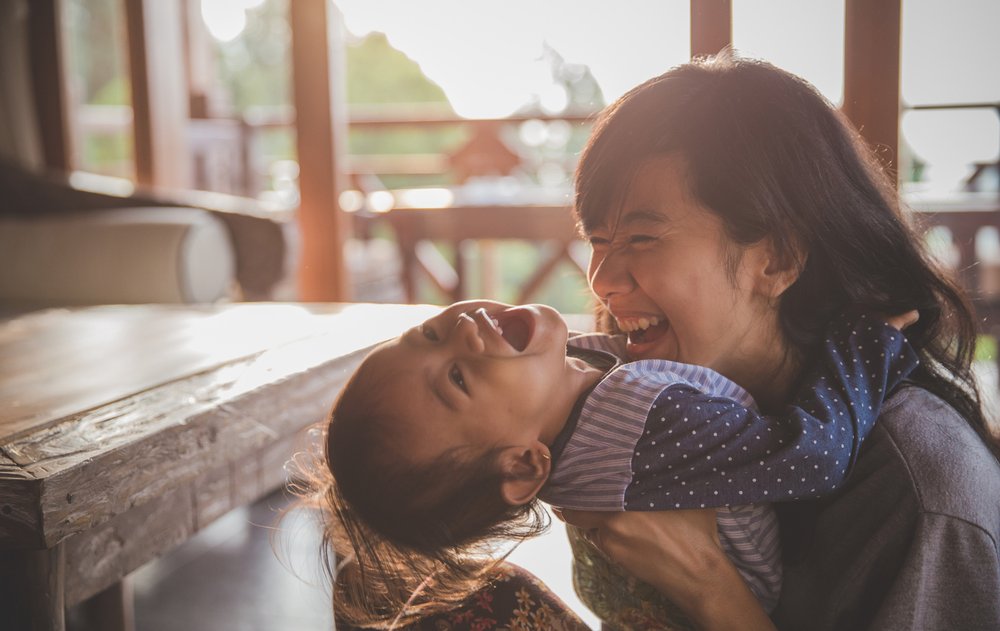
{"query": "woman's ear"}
[(775, 272), (525, 469)]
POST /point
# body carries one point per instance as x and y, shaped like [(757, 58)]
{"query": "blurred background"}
[(398, 151), (465, 105)]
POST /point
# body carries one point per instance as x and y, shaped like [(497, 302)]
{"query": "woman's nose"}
[(608, 274), (464, 336)]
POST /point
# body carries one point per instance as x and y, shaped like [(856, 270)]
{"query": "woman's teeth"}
[(637, 324)]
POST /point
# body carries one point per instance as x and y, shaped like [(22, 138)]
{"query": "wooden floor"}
[(239, 574), (247, 572)]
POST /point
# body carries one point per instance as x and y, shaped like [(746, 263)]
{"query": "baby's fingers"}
[(902, 320)]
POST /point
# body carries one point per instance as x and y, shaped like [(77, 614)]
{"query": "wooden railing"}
[(227, 158), (228, 148)]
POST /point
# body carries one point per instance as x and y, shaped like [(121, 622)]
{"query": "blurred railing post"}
[(871, 76), (48, 78), (159, 92), (321, 133), (711, 26)]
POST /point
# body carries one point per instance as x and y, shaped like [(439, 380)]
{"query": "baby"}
[(445, 439)]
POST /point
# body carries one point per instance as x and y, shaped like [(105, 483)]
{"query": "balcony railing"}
[(490, 185)]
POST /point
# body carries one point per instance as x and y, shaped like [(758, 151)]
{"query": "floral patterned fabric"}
[(621, 601), (516, 600)]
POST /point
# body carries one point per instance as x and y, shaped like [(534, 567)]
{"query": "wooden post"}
[(711, 26), (871, 75), (111, 609), (32, 584), (320, 131), (48, 79), (207, 99), (159, 92)]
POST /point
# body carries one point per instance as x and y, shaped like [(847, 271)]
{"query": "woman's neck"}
[(768, 371)]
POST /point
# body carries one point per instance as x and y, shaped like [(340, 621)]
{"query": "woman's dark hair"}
[(772, 158), (418, 538)]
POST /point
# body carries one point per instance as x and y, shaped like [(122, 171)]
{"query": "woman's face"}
[(658, 264)]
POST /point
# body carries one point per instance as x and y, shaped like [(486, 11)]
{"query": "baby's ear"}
[(525, 469)]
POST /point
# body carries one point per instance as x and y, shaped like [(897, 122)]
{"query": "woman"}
[(730, 201)]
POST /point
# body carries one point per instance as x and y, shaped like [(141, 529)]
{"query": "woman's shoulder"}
[(950, 469)]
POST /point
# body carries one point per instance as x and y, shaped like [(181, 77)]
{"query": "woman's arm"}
[(678, 553)]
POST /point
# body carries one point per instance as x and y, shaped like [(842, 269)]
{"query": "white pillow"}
[(128, 255)]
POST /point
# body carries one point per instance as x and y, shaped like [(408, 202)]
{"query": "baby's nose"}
[(466, 336)]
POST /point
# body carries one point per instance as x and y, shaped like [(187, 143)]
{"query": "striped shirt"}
[(659, 435)]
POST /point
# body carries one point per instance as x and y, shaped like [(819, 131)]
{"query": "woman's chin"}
[(661, 348)]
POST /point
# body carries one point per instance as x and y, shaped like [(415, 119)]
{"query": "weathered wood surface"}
[(181, 401)]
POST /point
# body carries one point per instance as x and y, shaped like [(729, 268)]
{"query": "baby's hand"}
[(903, 320)]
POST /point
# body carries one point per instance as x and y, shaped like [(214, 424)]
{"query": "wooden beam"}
[(711, 26), (159, 92), (871, 75), (48, 82), (320, 131)]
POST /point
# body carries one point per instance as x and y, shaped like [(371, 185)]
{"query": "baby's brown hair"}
[(415, 538)]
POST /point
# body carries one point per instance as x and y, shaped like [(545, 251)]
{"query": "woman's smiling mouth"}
[(644, 330)]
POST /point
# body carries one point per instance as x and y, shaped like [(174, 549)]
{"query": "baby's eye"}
[(455, 374), (429, 333)]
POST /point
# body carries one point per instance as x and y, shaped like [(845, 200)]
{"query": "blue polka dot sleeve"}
[(699, 450)]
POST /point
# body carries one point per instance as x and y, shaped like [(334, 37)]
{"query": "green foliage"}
[(986, 348), (377, 73), (110, 154), (95, 38), (255, 68), (117, 91)]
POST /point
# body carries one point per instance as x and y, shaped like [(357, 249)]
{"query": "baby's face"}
[(481, 373)]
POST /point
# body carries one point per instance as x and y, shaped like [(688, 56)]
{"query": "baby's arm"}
[(700, 450)]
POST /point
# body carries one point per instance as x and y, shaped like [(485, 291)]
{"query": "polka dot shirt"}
[(656, 435)]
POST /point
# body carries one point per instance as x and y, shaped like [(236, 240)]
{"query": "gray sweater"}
[(911, 542)]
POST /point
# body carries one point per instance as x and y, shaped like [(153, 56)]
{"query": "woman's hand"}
[(678, 552)]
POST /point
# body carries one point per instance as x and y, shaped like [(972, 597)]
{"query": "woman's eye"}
[(597, 242), (455, 374), (429, 333), (638, 239)]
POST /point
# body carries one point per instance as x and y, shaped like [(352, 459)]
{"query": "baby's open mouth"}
[(515, 327), (643, 330)]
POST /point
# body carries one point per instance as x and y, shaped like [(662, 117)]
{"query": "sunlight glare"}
[(225, 20), (430, 197), (351, 201), (488, 57), (381, 201)]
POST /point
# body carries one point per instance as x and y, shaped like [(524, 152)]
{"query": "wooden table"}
[(126, 429), (552, 225)]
